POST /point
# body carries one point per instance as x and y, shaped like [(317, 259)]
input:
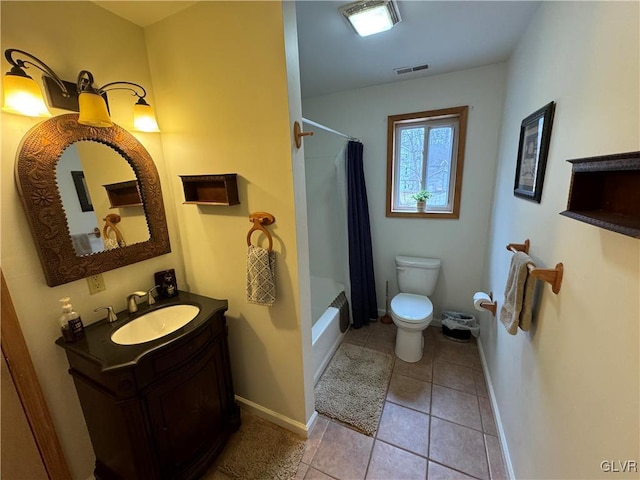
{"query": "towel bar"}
[(260, 219), (553, 276)]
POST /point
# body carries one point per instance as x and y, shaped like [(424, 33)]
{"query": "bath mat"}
[(261, 450), (353, 387)]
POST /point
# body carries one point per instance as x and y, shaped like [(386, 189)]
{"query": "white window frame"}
[(455, 117)]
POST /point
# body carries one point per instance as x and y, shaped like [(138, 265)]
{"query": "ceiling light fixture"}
[(373, 16), (23, 96)]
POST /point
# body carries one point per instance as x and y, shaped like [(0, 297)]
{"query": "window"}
[(425, 151)]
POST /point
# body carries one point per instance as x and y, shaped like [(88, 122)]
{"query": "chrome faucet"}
[(132, 306), (152, 299), (111, 316)]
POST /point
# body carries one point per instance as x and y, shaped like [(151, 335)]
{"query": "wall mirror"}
[(66, 175)]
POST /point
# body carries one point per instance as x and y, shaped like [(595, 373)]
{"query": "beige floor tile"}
[(343, 453), (421, 370), (454, 376), (315, 437), (302, 471), (440, 472), (410, 392), (481, 383), (458, 447), (404, 428), (382, 331), (488, 420), (494, 454), (455, 406), (389, 462), (465, 354), (390, 349), (357, 336), (432, 332), (313, 474)]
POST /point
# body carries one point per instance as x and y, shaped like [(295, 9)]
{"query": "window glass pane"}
[(439, 165), (410, 167), (424, 153)]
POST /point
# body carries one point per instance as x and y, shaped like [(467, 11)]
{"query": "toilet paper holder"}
[(491, 306)]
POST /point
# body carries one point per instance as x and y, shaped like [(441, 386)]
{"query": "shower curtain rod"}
[(319, 125)]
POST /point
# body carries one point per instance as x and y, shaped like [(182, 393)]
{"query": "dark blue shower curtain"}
[(364, 305)]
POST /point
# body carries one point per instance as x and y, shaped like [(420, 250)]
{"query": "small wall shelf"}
[(605, 192), (124, 194), (210, 189)]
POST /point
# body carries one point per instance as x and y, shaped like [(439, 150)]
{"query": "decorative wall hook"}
[(259, 220), (298, 134)]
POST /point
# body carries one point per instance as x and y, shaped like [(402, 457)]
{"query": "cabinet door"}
[(188, 413)]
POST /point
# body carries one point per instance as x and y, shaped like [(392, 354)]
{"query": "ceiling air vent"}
[(417, 68)]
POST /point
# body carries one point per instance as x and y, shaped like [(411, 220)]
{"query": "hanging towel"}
[(261, 279), (81, 244), (514, 294)]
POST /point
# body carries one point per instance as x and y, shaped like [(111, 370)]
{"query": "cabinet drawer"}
[(173, 358)]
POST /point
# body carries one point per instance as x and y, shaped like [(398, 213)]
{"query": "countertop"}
[(97, 346)]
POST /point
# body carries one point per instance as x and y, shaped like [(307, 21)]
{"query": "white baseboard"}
[(496, 414), (277, 418)]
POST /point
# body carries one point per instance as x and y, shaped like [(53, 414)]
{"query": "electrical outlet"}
[(96, 284)]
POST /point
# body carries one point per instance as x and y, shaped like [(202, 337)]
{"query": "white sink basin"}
[(155, 324)]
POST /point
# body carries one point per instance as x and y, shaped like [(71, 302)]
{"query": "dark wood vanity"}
[(162, 409)]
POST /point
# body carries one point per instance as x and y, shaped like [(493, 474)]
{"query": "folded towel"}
[(81, 244), (514, 294), (527, 304), (261, 278)]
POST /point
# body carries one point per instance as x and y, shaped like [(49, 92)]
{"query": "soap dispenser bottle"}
[(72, 319)]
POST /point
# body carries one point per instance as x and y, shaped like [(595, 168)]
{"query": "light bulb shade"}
[(23, 96), (144, 119), (93, 110)]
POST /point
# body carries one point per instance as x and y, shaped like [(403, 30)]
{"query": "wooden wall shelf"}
[(124, 194), (605, 192), (210, 189)]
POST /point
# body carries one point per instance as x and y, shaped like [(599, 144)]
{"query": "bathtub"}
[(325, 333)]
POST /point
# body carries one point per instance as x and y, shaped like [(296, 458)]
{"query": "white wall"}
[(326, 207), (70, 36), (567, 391), (460, 243)]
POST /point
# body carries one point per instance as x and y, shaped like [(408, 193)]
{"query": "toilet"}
[(411, 309)]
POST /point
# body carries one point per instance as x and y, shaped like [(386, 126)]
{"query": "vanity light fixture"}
[(23, 96), (371, 16)]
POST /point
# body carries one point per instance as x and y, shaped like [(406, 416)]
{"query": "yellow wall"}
[(223, 103), (568, 390), (70, 36)]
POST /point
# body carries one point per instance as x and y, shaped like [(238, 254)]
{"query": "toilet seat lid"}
[(411, 308)]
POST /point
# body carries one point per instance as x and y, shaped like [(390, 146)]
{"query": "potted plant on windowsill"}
[(421, 197)]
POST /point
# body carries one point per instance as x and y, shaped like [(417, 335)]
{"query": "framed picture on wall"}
[(535, 133), (82, 191)]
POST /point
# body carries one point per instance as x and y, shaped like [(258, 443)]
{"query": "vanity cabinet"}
[(159, 410)]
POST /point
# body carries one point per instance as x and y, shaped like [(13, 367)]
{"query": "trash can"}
[(459, 326)]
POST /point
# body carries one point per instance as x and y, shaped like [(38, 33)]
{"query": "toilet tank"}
[(417, 275)]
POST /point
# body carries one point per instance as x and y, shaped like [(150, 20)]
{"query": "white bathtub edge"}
[(326, 338)]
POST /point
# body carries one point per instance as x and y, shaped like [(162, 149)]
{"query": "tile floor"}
[(436, 423)]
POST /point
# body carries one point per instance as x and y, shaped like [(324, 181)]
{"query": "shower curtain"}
[(364, 305)]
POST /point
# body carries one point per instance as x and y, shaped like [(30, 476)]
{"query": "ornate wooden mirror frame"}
[(38, 155)]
